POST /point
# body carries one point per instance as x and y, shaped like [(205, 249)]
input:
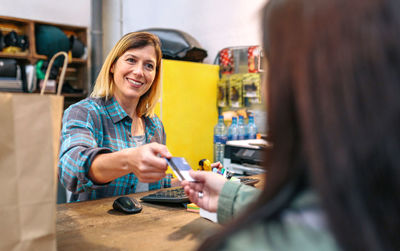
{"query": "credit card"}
[(180, 167)]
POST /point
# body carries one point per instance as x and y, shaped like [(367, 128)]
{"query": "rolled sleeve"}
[(78, 150), (233, 199)]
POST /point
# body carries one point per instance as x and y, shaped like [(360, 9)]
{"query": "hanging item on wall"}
[(254, 58), (179, 45), (221, 92), (226, 62), (235, 91), (251, 89), (240, 59)]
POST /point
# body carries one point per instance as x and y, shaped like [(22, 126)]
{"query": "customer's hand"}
[(146, 162), (217, 165), (208, 185)]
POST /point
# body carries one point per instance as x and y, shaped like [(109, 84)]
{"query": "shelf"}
[(77, 71), (39, 57), (78, 61), (74, 60), (19, 55), (26, 56)]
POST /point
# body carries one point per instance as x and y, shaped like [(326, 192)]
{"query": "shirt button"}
[(130, 135)]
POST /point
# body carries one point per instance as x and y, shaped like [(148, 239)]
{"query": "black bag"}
[(77, 48), (50, 40), (179, 45)]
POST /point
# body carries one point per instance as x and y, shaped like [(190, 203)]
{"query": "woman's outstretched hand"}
[(205, 191), (145, 161)]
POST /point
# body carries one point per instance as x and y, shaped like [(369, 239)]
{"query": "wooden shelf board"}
[(23, 55)]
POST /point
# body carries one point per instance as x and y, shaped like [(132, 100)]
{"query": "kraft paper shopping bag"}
[(30, 127)]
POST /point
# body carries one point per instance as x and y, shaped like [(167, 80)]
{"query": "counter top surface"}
[(94, 225)]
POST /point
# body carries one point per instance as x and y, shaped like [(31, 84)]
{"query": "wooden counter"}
[(94, 225)]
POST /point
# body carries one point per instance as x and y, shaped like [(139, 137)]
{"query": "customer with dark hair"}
[(333, 175)]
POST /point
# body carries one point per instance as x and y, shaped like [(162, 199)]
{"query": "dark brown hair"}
[(334, 113)]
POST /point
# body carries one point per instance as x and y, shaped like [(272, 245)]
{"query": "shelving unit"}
[(77, 73)]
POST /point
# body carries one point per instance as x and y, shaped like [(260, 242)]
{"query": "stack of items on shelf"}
[(13, 40), (25, 49), (10, 75), (15, 76)]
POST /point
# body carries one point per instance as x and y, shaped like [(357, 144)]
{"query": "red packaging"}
[(226, 61), (253, 56)]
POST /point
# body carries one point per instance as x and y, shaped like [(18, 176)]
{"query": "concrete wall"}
[(214, 23), (73, 12)]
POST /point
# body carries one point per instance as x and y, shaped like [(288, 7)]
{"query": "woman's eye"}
[(150, 66), (131, 60)]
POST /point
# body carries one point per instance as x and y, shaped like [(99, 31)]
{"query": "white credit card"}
[(180, 167)]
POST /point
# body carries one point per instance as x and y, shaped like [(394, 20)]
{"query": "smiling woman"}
[(112, 143), (133, 73)]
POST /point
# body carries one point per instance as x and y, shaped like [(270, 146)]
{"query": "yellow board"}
[(188, 108)]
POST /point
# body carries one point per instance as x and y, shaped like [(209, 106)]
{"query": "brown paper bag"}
[(29, 144)]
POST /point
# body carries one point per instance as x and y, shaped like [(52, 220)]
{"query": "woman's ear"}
[(112, 69)]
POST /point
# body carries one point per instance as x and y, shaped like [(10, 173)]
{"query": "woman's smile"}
[(134, 83)]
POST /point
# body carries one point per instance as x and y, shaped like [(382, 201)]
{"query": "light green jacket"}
[(304, 227)]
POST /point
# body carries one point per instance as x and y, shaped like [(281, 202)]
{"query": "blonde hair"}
[(104, 86)]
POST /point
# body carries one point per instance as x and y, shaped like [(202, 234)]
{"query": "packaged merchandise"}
[(221, 92), (226, 61), (235, 91), (251, 88), (254, 59)]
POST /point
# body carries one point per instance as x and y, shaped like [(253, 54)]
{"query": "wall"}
[(214, 23), (187, 114), (73, 12)]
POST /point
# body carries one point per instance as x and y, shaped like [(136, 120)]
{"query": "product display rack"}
[(77, 72)]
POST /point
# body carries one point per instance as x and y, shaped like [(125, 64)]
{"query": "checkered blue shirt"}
[(93, 126)]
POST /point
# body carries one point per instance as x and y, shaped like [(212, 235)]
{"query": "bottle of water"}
[(241, 129), (233, 133), (220, 137), (251, 128)]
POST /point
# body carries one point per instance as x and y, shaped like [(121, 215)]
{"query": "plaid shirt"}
[(93, 126)]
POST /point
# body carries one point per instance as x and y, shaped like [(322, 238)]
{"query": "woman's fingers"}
[(159, 149), (147, 162)]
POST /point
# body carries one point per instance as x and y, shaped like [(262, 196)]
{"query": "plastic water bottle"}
[(233, 133), (220, 137), (241, 129), (251, 128)]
